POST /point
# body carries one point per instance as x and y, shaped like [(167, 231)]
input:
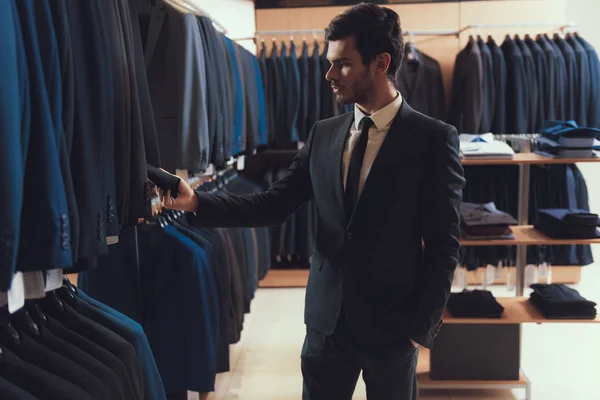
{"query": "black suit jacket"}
[(516, 98), (407, 201), (594, 67), (583, 90), (531, 91), (549, 99), (500, 83), (541, 76), (466, 104), (489, 87), (570, 76)]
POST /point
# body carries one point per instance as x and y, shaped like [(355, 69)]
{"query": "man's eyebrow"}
[(339, 59)]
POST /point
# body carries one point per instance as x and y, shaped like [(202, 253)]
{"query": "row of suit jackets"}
[(516, 86), (77, 131), (296, 91), (206, 90), (190, 292), (70, 346)]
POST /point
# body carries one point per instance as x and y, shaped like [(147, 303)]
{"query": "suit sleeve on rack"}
[(269, 208), (440, 230)]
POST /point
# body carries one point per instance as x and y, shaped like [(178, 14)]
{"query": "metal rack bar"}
[(414, 32), (523, 25)]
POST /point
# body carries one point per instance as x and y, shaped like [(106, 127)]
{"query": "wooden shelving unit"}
[(517, 310), (298, 278), (526, 159), (526, 235)]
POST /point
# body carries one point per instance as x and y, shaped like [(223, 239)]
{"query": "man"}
[(387, 182)]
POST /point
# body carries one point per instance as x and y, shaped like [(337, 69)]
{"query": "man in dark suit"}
[(387, 182)]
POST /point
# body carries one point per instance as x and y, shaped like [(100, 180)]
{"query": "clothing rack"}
[(413, 32), (558, 26), (192, 6)]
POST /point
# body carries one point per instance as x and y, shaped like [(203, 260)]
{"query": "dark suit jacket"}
[(583, 89), (594, 67), (548, 100), (315, 80), (570, 78), (12, 157), (301, 123), (44, 232), (516, 98), (531, 92), (561, 79), (541, 76), (489, 87), (466, 104), (355, 258), (420, 82), (500, 83), (178, 87), (293, 92)]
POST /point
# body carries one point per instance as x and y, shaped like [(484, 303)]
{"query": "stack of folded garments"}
[(567, 140), (559, 223), (558, 301), (485, 222), (484, 146), (474, 304)]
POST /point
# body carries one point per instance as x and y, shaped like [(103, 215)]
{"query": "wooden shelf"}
[(425, 382), (517, 310), (568, 274), (295, 278), (526, 158), (527, 235)]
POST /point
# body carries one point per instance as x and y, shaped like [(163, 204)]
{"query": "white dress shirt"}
[(382, 120)]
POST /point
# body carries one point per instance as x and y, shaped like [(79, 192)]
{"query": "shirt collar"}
[(382, 117)]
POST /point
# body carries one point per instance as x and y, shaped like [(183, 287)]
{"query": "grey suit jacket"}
[(177, 79)]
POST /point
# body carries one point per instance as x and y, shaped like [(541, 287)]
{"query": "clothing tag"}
[(498, 272), (465, 279), (300, 145), (34, 285), (231, 161), (490, 274), (510, 279), (16, 293), (3, 299), (241, 163), (110, 240), (530, 275), (210, 170), (53, 280), (549, 275), (543, 270)]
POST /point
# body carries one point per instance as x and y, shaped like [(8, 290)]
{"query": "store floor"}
[(561, 360)]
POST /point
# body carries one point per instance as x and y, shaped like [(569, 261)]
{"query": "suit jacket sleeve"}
[(269, 208), (442, 192)]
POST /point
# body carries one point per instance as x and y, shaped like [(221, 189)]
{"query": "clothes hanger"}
[(9, 336), (23, 321)]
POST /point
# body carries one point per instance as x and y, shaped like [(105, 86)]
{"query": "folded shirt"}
[(568, 129), (474, 304), (567, 223), (559, 294), (566, 147), (472, 214)]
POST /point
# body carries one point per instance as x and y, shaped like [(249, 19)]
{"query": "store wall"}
[(236, 16)]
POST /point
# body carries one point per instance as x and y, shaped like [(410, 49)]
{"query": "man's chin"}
[(341, 99)]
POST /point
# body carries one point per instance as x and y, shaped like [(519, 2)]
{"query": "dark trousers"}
[(332, 364)]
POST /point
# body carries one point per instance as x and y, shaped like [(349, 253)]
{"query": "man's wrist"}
[(193, 203)]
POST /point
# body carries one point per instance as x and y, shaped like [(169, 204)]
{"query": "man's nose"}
[(331, 75)]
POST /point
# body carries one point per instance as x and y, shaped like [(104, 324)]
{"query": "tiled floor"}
[(561, 360)]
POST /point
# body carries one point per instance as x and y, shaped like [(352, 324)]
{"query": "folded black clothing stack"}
[(562, 223), (474, 304), (485, 221), (558, 301)]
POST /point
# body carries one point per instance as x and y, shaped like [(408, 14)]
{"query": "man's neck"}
[(379, 100)]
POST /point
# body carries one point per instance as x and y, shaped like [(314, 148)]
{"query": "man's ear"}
[(382, 63)]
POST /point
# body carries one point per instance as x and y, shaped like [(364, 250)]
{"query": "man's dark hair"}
[(375, 29)]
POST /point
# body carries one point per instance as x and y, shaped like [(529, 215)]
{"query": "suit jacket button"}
[(65, 245)]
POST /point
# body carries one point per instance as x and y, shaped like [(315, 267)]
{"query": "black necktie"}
[(356, 162)]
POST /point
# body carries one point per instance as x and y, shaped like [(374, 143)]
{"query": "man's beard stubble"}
[(360, 92)]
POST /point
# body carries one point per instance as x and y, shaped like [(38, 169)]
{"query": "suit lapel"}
[(337, 157), (396, 147)]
